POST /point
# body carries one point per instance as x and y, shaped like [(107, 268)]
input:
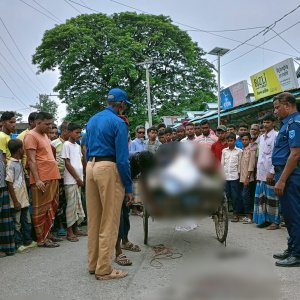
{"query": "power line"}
[(20, 52), (48, 11), (41, 12), (85, 6), (265, 30), (228, 30), (17, 62), (12, 79), (73, 6), (13, 92), (286, 41), (13, 68), (260, 44)]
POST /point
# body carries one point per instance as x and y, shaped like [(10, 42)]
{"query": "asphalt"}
[(196, 266)]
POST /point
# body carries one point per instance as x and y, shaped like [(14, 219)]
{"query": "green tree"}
[(46, 104), (97, 52)]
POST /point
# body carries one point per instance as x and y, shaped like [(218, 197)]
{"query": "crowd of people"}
[(53, 179)]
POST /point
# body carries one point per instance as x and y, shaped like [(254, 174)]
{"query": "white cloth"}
[(73, 153), (186, 139), (231, 160), (266, 144)]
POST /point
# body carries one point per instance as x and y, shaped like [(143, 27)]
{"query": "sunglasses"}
[(141, 132)]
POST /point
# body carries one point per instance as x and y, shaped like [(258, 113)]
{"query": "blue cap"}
[(118, 95)]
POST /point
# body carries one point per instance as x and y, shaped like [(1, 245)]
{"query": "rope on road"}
[(162, 252)]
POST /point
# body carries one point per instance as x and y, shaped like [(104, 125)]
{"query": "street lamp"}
[(219, 52), (147, 65)]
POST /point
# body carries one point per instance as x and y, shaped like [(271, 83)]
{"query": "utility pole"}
[(147, 65)]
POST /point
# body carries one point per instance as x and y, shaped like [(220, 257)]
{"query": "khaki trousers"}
[(104, 197)]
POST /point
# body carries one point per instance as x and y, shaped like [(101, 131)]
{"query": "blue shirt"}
[(288, 137), (106, 135), (137, 145), (239, 143)]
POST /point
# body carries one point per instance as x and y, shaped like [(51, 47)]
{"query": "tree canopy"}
[(96, 52), (46, 104)]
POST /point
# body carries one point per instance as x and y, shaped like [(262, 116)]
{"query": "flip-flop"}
[(81, 233), (115, 274), (72, 239), (273, 227), (130, 247), (48, 244), (123, 260)]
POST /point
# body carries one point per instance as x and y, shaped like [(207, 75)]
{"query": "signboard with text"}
[(278, 78), (234, 95)]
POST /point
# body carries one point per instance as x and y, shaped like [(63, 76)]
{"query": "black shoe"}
[(285, 254), (291, 261)]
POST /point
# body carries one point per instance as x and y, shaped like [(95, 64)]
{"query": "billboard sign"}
[(273, 80), (234, 95)]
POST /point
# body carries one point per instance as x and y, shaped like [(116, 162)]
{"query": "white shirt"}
[(73, 153), (264, 164), (231, 162), (186, 139)]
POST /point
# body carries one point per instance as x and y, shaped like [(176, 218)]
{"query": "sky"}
[(231, 24)]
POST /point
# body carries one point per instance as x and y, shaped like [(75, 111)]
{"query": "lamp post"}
[(219, 52), (147, 65)]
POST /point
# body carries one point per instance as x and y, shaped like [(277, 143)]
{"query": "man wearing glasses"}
[(138, 144)]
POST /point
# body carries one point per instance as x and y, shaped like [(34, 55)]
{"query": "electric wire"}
[(41, 12), (266, 41), (288, 43), (20, 100), (48, 11), (73, 6), (21, 54)]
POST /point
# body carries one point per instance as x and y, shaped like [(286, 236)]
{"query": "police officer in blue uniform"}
[(286, 160)]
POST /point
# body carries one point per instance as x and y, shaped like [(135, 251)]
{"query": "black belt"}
[(278, 169), (103, 158)]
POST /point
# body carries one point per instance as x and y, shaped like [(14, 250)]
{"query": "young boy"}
[(152, 144), (231, 158), (73, 181), (168, 135), (161, 136), (247, 166), (19, 200), (221, 143)]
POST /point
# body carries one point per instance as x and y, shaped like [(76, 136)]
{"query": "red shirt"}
[(217, 148)]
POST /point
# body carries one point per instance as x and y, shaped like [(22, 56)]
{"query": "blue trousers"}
[(248, 199), (23, 228), (290, 206), (232, 190), (124, 222)]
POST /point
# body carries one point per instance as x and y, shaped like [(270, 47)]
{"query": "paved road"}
[(244, 268)]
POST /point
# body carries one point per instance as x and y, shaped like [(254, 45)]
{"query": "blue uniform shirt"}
[(106, 135), (288, 137)]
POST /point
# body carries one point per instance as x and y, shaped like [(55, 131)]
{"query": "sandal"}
[(55, 239), (130, 247), (122, 260), (235, 219), (115, 274), (273, 227), (48, 244), (72, 238), (80, 233), (2, 254)]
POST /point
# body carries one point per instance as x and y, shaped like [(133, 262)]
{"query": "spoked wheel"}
[(145, 223), (221, 223)]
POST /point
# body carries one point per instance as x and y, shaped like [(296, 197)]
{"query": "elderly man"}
[(107, 176)]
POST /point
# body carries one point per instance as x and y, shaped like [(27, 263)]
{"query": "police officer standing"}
[(107, 178), (286, 161)]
